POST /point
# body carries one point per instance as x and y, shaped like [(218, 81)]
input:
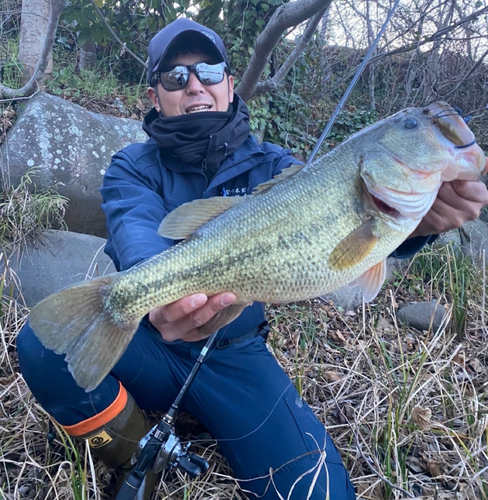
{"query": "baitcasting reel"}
[(161, 449), (172, 454)]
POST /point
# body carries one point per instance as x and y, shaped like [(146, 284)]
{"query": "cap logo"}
[(210, 35)]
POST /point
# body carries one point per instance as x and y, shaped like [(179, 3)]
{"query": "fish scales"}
[(307, 233), (281, 253)]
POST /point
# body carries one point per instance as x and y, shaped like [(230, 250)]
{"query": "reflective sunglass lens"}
[(177, 78), (210, 74)]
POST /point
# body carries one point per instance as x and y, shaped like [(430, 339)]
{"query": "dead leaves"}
[(422, 417)]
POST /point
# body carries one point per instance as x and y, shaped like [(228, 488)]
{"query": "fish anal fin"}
[(287, 172), (372, 280), (221, 319), (183, 221), (354, 248), (74, 322)]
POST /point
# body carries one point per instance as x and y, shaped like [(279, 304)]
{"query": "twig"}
[(124, 46), (364, 457), (285, 16), (272, 83), (483, 297)]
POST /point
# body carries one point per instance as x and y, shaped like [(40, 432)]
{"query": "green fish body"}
[(305, 233)]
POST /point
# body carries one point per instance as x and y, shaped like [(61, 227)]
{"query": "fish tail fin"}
[(75, 322)]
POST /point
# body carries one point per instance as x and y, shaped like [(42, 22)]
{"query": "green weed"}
[(87, 86), (444, 270), (11, 74), (78, 471), (25, 212)]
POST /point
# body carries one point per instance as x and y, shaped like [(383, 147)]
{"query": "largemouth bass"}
[(307, 232)]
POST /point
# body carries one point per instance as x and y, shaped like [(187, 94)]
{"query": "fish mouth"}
[(450, 123), (385, 208), (401, 206), (468, 160)]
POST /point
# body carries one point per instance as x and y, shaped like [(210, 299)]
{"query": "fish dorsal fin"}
[(287, 172), (354, 248), (183, 221), (372, 280)]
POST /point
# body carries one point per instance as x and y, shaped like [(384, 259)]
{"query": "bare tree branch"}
[(287, 15), (415, 46), (272, 83), (478, 63), (432, 38), (124, 46), (30, 87)]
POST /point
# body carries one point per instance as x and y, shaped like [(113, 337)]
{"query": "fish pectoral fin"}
[(74, 322), (371, 281), (287, 172), (183, 221), (354, 248), (221, 319)]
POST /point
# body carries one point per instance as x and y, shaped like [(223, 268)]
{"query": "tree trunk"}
[(33, 28)]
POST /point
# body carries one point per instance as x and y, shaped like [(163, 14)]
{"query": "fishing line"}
[(352, 84), (250, 433), (458, 112)]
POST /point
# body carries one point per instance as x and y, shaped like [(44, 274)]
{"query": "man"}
[(200, 146)]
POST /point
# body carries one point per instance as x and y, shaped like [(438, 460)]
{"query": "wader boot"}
[(114, 436)]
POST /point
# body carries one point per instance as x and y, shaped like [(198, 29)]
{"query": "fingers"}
[(457, 202), (181, 319), (470, 190), (460, 201), (181, 308)]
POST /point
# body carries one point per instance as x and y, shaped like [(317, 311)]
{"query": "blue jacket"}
[(143, 184)]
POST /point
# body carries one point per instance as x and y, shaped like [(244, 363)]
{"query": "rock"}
[(347, 297), (61, 258), (350, 297), (72, 148), (474, 239), (421, 314), (450, 238)]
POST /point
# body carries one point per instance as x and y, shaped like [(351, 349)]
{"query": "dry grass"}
[(407, 409)]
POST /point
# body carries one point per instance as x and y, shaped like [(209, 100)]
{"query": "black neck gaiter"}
[(200, 138)]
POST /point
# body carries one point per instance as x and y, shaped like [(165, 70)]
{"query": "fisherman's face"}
[(195, 97)]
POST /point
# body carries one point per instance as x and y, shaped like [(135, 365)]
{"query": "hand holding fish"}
[(457, 202), (180, 320)]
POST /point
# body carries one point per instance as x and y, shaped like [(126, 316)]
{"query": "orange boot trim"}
[(100, 419)]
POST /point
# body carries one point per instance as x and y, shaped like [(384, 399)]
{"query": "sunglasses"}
[(177, 78)]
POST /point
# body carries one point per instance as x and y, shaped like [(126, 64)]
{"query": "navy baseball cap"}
[(182, 30)]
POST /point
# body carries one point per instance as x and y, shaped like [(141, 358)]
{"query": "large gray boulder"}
[(58, 259), (72, 148)]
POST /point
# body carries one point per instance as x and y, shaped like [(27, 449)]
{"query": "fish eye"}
[(410, 123)]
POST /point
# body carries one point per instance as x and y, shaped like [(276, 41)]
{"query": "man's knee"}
[(32, 354)]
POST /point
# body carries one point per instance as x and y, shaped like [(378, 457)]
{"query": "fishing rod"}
[(359, 71), (161, 448)]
